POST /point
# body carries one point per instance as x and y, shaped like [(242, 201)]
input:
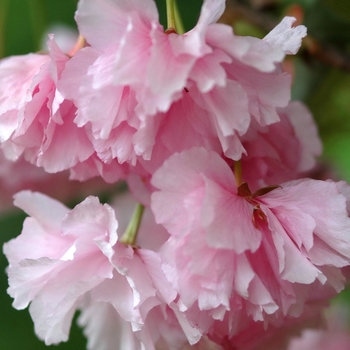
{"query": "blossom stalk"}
[(130, 234), (238, 172), (170, 13), (180, 29)]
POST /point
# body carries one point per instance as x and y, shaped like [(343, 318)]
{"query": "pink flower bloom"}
[(59, 257), (247, 255), (35, 120), (126, 85), (66, 260), (233, 248)]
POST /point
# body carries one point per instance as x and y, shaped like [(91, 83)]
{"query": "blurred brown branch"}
[(311, 49)]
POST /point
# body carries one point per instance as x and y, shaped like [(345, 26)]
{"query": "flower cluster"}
[(234, 247)]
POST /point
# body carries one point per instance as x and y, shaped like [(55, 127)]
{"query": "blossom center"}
[(244, 191)]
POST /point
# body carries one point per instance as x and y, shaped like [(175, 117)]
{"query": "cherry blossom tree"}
[(218, 237)]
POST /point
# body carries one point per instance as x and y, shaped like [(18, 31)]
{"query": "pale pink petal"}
[(285, 36), (260, 54), (16, 74), (208, 71), (268, 159), (163, 85), (195, 177), (134, 50), (251, 51), (77, 67), (47, 210), (103, 22), (193, 42), (228, 106), (106, 329), (66, 144), (327, 207), (232, 226), (210, 13), (265, 91), (110, 172)]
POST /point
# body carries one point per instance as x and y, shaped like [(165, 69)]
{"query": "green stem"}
[(178, 21), (170, 14), (130, 234)]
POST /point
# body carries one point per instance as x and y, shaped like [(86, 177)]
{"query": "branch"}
[(311, 49)]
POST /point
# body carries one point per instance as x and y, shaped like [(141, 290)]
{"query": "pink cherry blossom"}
[(127, 86), (279, 242), (36, 120), (58, 258), (234, 249), (66, 260)]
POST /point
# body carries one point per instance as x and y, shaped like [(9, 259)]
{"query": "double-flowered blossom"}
[(69, 259), (134, 79), (257, 254), (34, 117), (126, 98)]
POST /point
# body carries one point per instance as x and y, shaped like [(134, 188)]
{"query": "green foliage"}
[(24, 22)]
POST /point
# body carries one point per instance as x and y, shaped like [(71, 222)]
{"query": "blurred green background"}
[(324, 87)]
